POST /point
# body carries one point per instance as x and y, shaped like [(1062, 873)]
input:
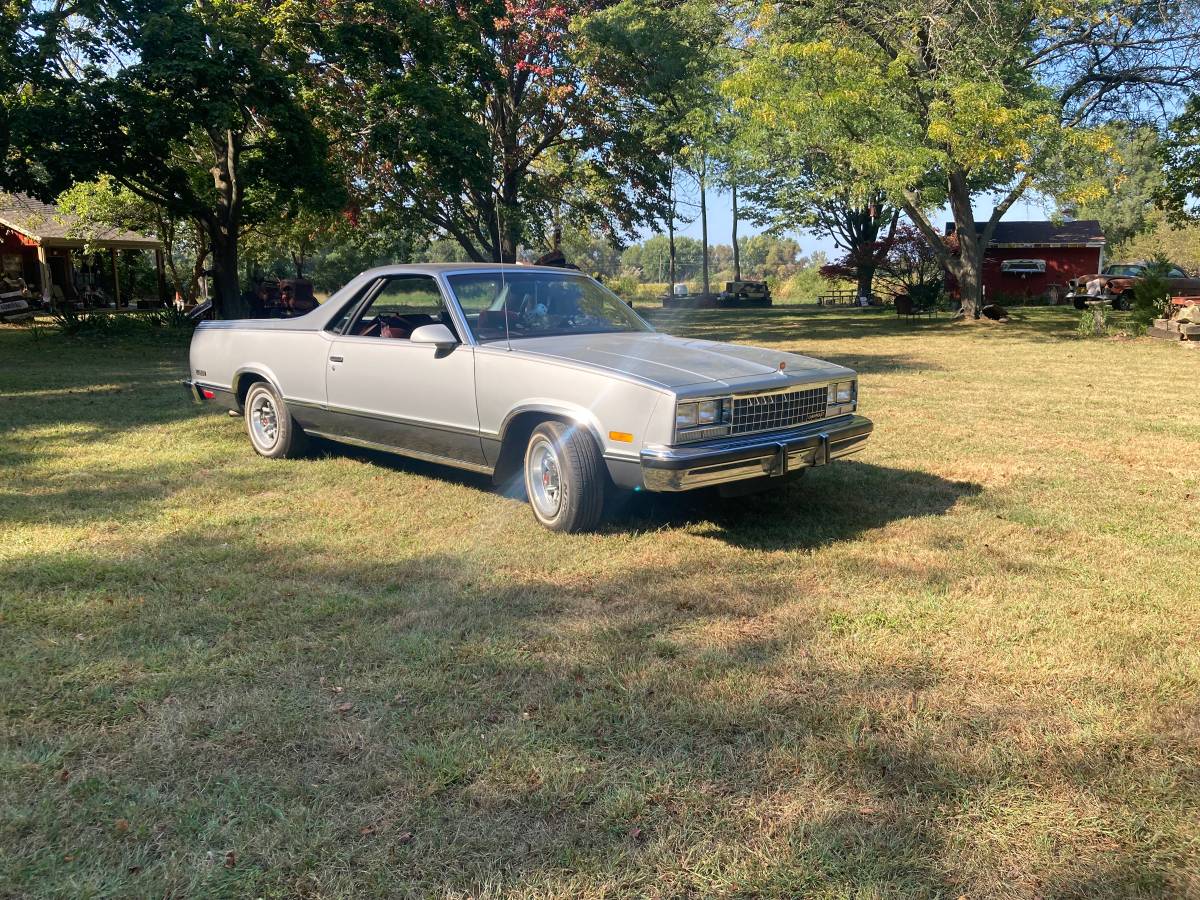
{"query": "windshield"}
[(1125, 271), (539, 304)]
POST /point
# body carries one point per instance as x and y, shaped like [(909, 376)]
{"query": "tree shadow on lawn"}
[(431, 725), (507, 760)]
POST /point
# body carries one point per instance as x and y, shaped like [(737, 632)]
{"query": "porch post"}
[(162, 278), (44, 270), (116, 279)]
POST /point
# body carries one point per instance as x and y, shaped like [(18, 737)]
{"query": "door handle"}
[(335, 359)]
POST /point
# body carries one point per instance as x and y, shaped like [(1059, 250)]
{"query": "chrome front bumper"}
[(683, 468)]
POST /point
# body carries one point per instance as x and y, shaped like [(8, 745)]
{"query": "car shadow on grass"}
[(828, 504)]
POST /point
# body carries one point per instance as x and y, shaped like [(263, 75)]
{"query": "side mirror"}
[(438, 335)]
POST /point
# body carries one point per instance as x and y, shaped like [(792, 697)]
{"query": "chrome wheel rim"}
[(264, 421), (544, 478)]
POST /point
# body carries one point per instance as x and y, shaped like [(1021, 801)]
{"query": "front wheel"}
[(564, 477), (273, 432), (1123, 302)]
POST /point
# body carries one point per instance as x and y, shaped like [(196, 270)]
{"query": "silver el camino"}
[(523, 371)]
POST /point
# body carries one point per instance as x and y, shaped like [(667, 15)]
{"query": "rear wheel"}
[(564, 477), (273, 432)]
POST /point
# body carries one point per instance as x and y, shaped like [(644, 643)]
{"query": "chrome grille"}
[(767, 412)]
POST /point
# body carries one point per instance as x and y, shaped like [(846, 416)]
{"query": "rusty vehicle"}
[(1116, 283)]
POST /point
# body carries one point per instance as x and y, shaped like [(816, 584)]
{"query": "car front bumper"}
[(684, 468)]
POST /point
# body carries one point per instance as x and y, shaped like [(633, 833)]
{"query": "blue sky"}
[(720, 220)]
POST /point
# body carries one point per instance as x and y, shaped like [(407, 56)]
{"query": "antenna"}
[(503, 281)]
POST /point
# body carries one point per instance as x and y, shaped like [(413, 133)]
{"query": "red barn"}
[(1036, 259)]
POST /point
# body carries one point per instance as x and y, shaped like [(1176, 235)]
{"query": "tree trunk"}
[(970, 285), (866, 279), (969, 270), (704, 224), (227, 295), (671, 244), (737, 256)]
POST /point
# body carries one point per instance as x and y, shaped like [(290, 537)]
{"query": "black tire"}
[(1123, 302), (272, 430), (565, 478)]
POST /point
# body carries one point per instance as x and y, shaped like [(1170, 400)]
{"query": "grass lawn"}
[(964, 662)]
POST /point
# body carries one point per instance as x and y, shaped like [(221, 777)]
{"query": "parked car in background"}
[(534, 375), (1115, 284), (16, 302)]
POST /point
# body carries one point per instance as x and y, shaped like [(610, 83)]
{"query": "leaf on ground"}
[(230, 859), (405, 838), (345, 707), (122, 825), (64, 776)]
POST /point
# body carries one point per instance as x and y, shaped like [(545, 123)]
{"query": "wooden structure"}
[(1036, 259), (846, 297), (62, 266)]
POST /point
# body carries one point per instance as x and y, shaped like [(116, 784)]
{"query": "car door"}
[(1182, 284), (384, 389)]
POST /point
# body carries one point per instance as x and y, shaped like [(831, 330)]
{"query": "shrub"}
[(1152, 294), (169, 323), (1093, 322)]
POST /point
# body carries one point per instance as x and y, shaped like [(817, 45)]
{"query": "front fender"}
[(580, 414)]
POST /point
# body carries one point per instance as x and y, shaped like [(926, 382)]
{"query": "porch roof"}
[(47, 226)]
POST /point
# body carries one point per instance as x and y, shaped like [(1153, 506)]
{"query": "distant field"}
[(963, 663)]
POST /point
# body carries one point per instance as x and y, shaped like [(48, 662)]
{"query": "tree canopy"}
[(939, 103)]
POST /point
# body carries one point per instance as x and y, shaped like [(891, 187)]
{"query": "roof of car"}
[(436, 268)]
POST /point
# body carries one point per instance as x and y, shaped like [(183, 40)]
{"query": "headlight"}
[(685, 415), (842, 398), (700, 420), (842, 392)]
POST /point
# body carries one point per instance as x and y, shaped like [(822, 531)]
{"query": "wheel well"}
[(243, 385), (516, 437)]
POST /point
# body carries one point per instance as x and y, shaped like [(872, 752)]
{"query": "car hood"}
[(675, 363)]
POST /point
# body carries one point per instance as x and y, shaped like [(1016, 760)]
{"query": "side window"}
[(341, 323), (401, 304), (1175, 273)]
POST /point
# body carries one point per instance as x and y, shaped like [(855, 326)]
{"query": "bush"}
[(1152, 294), (168, 323), (1093, 322), (804, 286)]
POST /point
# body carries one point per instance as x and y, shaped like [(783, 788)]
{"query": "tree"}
[(904, 261), (1180, 154), (938, 103), (791, 186), (556, 108), (1132, 178), (192, 106), (1180, 243)]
